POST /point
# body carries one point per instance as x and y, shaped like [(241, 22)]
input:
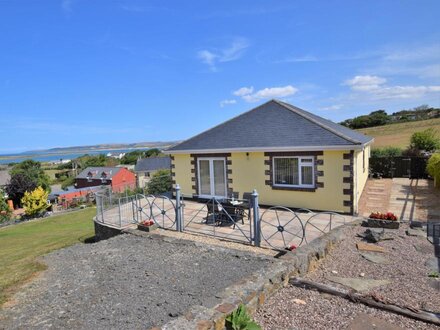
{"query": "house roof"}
[(4, 178), (153, 164), (98, 172), (274, 125)]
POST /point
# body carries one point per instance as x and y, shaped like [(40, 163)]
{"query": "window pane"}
[(286, 171), (205, 180), (307, 175), (219, 178)]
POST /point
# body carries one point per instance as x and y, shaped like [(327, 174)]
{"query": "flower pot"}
[(387, 224), (147, 228)]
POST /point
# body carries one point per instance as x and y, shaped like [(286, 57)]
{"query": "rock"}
[(358, 284), (424, 248), (334, 272), (364, 321), (375, 258), (433, 264), (369, 247), (362, 274), (372, 236), (378, 223), (415, 232), (299, 301)]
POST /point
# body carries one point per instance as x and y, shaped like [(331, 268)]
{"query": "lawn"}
[(20, 245), (398, 135)]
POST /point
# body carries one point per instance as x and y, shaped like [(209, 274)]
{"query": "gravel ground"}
[(127, 282), (406, 269)]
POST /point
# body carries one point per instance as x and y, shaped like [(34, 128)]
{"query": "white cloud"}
[(375, 87), (365, 83), (247, 94), (231, 53), (333, 107), (227, 102), (243, 91)]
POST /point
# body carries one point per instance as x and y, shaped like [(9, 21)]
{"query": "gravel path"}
[(406, 269), (127, 282)]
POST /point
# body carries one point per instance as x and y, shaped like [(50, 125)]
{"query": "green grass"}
[(22, 244), (399, 134)]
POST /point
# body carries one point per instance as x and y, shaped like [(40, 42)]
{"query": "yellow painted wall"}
[(361, 173), (182, 170), (248, 173)]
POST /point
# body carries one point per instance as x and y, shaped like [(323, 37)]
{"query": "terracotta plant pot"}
[(387, 224)]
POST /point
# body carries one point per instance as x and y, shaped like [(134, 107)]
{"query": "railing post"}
[(256, 218), (179, 225), (119, 211)]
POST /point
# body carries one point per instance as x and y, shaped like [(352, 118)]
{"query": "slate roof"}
[(153, 164), (4, 178), (97, 172), (274, 124)]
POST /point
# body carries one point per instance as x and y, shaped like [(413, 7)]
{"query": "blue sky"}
[(77, 72)]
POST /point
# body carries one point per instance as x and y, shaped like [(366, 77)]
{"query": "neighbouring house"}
[(118, 178), (71, 194), (4, 178), (146, 167), (290, 156)]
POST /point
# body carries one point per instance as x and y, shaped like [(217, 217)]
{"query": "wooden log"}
[(356, 297)]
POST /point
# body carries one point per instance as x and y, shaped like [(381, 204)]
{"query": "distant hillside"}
[(109, 146), (398, 134)]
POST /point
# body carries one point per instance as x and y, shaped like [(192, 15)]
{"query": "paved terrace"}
[(298, 228)]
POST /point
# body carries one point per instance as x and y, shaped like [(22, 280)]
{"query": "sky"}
[(81, 72)]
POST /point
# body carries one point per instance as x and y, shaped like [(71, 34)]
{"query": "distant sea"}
[(45, 156)]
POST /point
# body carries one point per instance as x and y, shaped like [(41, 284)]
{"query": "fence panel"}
[(403, 167)]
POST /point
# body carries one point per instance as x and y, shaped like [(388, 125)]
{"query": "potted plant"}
[(383, 220), (147, 225)]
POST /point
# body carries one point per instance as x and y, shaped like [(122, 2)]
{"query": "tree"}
[(425, 140), (160, 182), (130, 158), (35, 202), (433, 168), (153, 152), (5, 211), (33, 171), (18, 185)]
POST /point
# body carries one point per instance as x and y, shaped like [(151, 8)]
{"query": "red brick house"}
[(119, 178)]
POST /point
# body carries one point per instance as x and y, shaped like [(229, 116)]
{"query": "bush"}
[(35, 202), (160, 182), (5, 211), (386, 152), (433, 168), (241, 320), (425, 140)]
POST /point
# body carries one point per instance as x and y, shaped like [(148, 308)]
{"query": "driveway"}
[(128, 282)]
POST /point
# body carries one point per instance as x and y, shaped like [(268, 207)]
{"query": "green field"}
[(22, 244), (398, 135)]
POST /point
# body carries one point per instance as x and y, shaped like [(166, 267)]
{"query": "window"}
[(293, 172)]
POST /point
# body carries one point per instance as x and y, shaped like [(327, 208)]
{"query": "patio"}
[(280, 226)]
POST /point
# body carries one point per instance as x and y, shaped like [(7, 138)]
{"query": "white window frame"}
[(300, 166), (211, 170)]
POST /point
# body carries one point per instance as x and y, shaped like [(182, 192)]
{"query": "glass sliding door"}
[(212, 177)]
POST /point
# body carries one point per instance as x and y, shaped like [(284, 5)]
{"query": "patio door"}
[(212, 177)]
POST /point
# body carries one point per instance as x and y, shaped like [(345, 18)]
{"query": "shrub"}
[(35, 202), (425, 140), (433, 168), (386, 152), (160, 182), (241, 320), (5, 211)]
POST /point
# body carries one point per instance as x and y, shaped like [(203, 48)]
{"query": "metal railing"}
[(277, 227)]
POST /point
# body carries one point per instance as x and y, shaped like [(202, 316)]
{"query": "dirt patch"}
[(128, 282)]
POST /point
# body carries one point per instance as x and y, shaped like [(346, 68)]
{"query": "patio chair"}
[(247, 197), (213, 215)]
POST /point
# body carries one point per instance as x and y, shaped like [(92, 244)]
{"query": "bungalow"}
[(146, 167), (118, 178), (292, 157)]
